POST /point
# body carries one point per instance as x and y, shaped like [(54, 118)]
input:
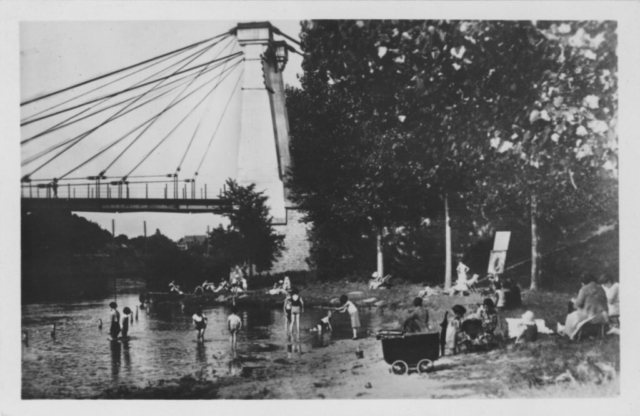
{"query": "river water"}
[(80, 362)]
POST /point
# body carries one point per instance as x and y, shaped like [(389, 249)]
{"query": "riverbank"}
[(551, 367)]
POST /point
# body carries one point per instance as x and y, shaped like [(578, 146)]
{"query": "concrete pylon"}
[(263, 152)]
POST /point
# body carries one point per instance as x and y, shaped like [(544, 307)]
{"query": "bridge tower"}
[(263, 151)]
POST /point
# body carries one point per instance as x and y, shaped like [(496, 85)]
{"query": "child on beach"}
[(454, 330), (234, 324), (348, 306), (200, 321), (114, 330)]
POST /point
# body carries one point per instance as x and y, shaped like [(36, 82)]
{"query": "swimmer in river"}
[(114, 330), (200, 322), (234, 323)]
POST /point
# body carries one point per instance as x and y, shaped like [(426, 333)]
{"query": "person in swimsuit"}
[(287, 312), (114, 330), (234, 324), (297, 308), (325, 323), (200, 321), (348, 306), (125, 322)]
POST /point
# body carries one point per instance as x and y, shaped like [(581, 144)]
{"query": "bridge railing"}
[(119, 190)]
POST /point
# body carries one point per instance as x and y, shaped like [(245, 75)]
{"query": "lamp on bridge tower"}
[(263, 153)]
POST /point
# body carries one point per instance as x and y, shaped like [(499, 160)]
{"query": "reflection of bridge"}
[(78, 143)]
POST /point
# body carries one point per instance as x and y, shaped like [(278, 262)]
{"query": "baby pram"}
[(406, 352)]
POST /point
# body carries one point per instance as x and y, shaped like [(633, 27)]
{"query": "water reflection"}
[(127, 356), (116, 350)]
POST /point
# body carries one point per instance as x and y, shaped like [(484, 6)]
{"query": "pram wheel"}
[(399, 368), (425, 366)]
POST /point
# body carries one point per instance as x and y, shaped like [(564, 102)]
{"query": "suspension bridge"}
[(139, 138)]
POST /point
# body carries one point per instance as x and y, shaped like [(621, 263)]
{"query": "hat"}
[(280, 281), (459, 310), (527, 317)]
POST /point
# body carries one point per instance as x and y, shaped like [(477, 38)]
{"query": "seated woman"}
[(277, 288), (591, 307), (489, 318), (417, 321), (612, 290), (454, 333)]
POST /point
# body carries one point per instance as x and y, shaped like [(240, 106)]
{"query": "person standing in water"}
[(200, 322), (125, 321), (114, 330), (234, 324), (297, 308), (287, 312)]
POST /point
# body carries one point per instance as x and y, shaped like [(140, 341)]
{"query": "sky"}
[(55, 55)]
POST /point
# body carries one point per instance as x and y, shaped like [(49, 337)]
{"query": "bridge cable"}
[(152, 64), (83, 136), (235, 88), (126, 90), (150, 120), (124, 69), (67, 121), (149, 126), (56, 146), (163, 140), (199, 122)]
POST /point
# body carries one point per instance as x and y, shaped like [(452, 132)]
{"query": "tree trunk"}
[(535, 253), (447, 270), (380, 256)]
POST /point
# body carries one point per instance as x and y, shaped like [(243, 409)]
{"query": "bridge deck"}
[(216, 206)]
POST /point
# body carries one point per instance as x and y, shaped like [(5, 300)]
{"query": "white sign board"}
[(501, 242)]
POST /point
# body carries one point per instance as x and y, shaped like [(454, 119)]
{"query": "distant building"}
[(191, 240)]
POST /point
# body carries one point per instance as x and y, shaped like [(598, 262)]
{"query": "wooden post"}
[(205, 191), (88, 192), (30, 191), (146, 190), (74, 192), (68, 190), (127, 185), (380, 254), (165, 191)]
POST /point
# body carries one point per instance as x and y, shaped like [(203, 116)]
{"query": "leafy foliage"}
[(393, 115), (250, 240)]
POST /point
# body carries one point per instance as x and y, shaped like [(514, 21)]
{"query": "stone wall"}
[(296, 242)]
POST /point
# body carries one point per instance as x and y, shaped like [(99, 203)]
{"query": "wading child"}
[(200, 321), (455, 335), (297, 308), (114, 329), (125, 321), (325, 323), (348, 306), (287, 312), (234, 324)]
